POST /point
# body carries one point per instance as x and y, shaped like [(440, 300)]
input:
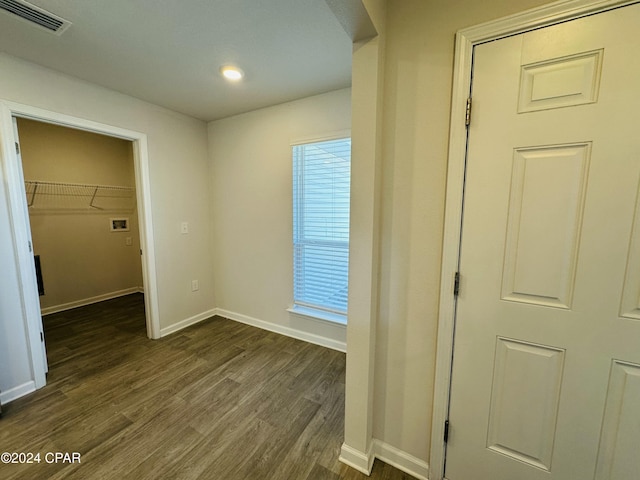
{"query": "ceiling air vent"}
[(35, 15)]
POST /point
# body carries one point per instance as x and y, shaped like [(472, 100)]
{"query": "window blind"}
[(321, 196)]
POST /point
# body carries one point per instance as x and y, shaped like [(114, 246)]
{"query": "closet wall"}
[(82, 259)]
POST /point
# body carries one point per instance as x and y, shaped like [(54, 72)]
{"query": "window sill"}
[(317, 314)]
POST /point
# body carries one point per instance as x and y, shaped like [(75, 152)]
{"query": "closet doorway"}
[(80, 192), (21, 193)]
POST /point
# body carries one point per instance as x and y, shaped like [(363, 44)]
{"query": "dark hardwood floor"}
[(218, 400)]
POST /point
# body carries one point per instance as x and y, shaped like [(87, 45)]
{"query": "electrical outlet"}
[(184, 227), (195, 286), (128, 241)]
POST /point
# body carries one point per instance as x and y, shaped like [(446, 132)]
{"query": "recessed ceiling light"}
[(231, 73)]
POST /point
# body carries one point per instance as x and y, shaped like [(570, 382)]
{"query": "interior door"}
[(546, 367), (34, 315)]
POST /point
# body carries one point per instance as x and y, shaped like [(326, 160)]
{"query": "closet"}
[(81, 198)]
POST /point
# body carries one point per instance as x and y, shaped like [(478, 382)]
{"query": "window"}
[(321, 194)]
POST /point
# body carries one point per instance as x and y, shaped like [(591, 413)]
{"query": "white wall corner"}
[(364, 248), (361, 461), (187, 322), (401, 460)]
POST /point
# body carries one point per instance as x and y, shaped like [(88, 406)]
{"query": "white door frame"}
[(466, 40), (21, 230)]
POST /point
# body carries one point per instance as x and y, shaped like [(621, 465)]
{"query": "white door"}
[(34, 316), (546, 367)]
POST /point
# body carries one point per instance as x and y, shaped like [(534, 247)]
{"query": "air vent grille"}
[(35, 15)]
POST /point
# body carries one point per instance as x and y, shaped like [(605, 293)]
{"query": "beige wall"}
[(251, 170), (418, 82), (81, 257)]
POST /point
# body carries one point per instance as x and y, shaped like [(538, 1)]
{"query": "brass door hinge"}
[(467, 115)]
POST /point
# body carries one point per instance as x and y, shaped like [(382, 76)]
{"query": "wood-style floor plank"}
[(218, 400)]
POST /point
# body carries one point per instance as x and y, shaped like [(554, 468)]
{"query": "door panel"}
[(544, 219), (618, 454), (526, 378), (560, 82), (630, 303), (545, 380)]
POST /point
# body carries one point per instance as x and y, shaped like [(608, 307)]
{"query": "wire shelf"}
[(70, 197)]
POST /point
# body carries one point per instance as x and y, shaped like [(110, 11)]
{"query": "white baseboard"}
[(17, 392), (187, 322), (401, 460), (91, 300), (361, 461), (281, 329)]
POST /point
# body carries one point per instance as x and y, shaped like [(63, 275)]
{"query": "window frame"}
[(298, 307)]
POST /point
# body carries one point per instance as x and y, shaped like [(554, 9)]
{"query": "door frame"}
[(466, 40), (21, 231)]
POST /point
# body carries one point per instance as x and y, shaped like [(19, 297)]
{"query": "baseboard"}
[(401, 460), (91, 300), (187, 322), (361, 461), (281, 329), (17, 392)]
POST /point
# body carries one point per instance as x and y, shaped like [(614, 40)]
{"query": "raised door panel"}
[(618, 456), (524, 401), (630, 302), (543, 230), (560, 82)]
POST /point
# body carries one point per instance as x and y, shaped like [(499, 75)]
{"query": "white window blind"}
[(321, 195)]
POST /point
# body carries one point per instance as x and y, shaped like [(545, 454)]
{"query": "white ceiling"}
[(168, 52)]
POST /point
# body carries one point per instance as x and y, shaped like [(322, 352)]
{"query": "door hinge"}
[(456, 284), (17, 148), (446, 431), (467, 115), (41, 337), (30, 247)]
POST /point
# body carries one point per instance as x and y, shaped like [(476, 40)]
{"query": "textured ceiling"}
[(168, 52)]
